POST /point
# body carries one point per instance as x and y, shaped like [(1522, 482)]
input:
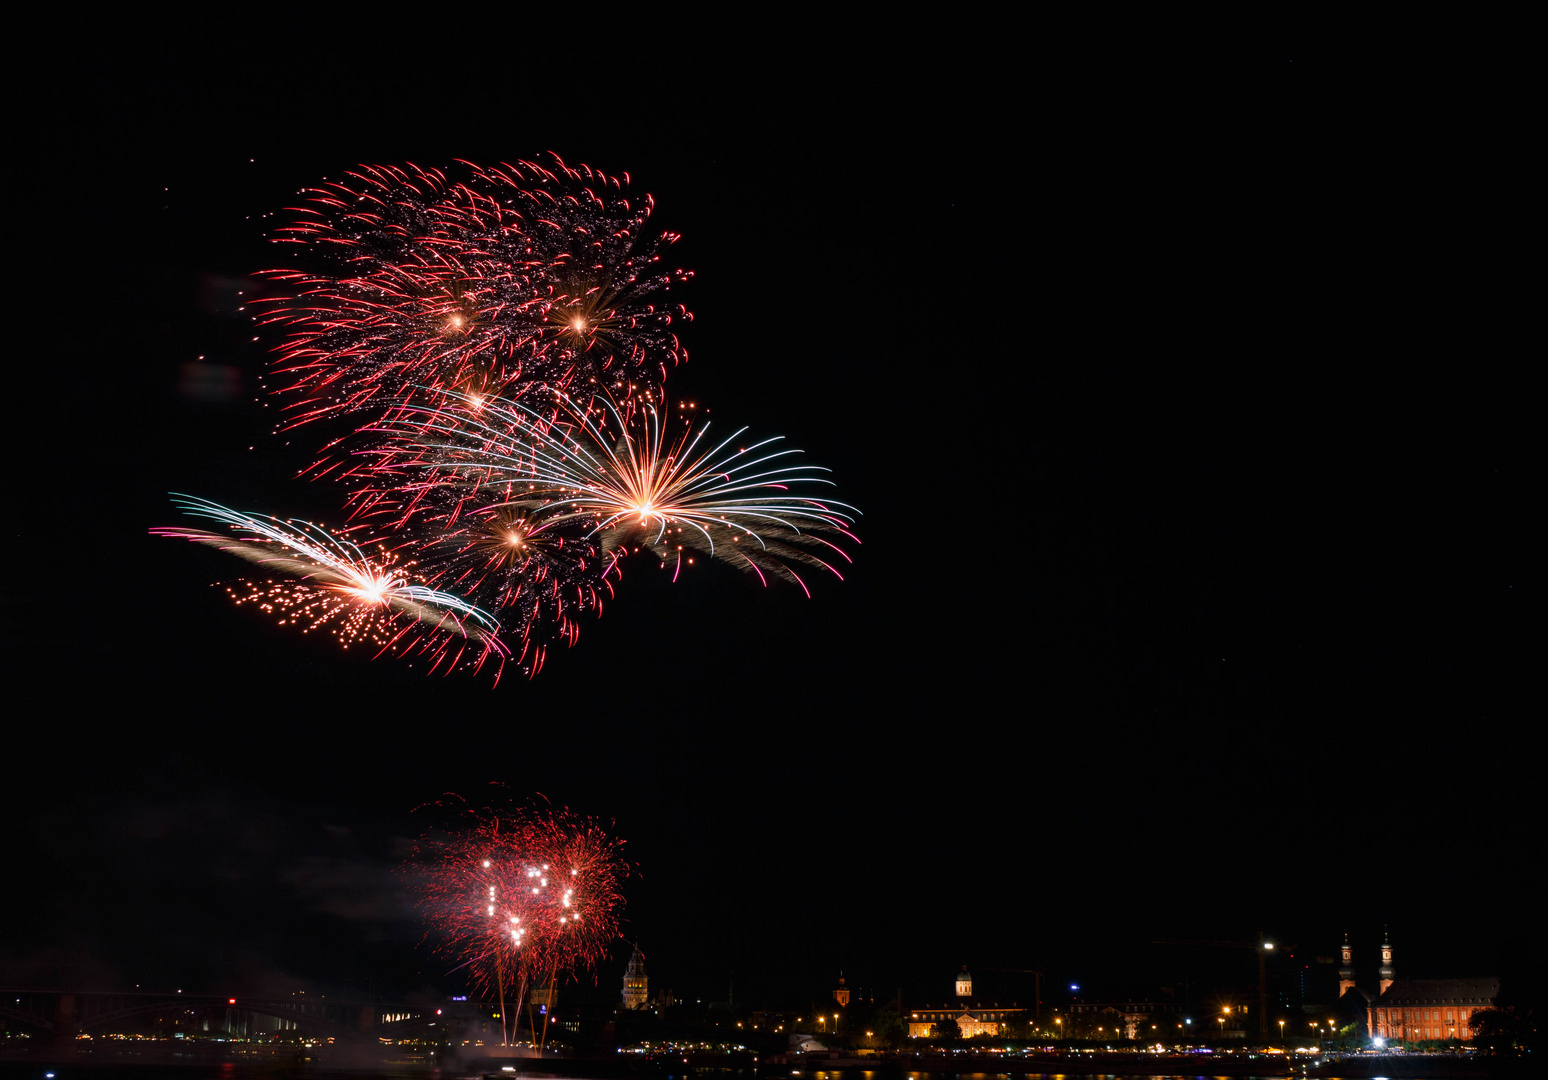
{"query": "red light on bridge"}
[(231, 1001)]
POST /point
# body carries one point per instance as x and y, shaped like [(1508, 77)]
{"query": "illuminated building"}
[(1418, 1010), (841, 995), (1354, 1003), (1421, 1010), (635, 982), (1346, 975), (972, 1017), (1140, 1014)]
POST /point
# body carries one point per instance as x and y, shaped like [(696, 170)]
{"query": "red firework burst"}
[(521, 897), (474, 281), (499, 338)]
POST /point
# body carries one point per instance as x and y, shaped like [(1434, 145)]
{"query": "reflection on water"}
[(868, 1074), (415, 1071), (421, 1070)]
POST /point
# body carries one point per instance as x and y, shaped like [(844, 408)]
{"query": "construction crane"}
[(1262, 947)]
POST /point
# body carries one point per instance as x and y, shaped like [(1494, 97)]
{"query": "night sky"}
[(1179, 402)]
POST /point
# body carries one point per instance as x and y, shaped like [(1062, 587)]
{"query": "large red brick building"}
[(1418, 1010), (1421, 1010)]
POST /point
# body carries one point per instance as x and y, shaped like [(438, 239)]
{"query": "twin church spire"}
[(1346, 974)]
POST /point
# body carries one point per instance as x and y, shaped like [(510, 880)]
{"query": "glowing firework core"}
[(373, 588)]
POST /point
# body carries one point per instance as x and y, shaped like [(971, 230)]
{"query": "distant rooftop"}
[(1481, 991)]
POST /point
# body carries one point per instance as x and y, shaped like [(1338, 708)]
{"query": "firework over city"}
[(500, 340), (518, 896), (939, 504)]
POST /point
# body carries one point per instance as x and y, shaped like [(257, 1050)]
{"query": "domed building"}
[(973, 1017), (635, 983)]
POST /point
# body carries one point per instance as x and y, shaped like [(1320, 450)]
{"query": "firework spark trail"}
[(540, 575), (499, 337), (326, 580), (616, 469), (503, 278), (520, 895)]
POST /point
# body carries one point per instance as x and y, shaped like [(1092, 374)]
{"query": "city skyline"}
[(1188, 603)]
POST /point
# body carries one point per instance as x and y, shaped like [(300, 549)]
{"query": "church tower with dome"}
[(1346, 974), (635, 983)]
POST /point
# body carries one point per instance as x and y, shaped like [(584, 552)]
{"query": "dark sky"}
[(1178, 401)]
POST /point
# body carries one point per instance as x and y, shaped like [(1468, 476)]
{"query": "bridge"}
[(66, 1014)]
